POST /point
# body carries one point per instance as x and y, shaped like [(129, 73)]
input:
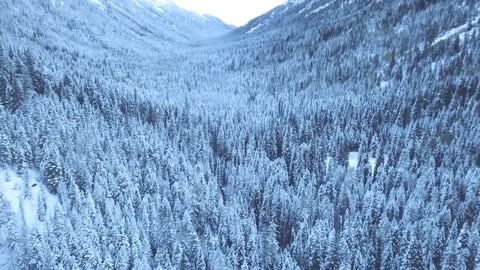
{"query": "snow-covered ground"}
[(353, 160), (384, 84), (327, 162), (100, 4), (373, 163), (462, 29), (23, 197), (307, 7), (254, 28), (320, 8), (19, 199)]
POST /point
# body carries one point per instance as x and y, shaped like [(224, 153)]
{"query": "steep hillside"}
[(127, 29), (106, 39), (93, 19)]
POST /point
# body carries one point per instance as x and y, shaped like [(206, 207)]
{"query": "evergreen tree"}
[(42, 205), (192, 253), (450, 257), (414, 257), (5, 148), (52, 171), (332, 258)]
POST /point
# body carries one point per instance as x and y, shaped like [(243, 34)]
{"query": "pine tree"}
[(4, 79), (162, 259), (41, 205), (5, 91), (192, 255), (5, 148), (107, 263), (122, 258), (438, 245), (332, 259), (52, 171), (414, 257), (463, 246), (388, 259), (450, 257), (16, 96), (474, 251), (39, 84), (34, 253)]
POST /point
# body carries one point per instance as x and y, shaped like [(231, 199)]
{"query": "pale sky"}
[(235, 12)]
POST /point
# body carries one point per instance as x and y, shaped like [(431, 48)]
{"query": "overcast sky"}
[(235, 12)]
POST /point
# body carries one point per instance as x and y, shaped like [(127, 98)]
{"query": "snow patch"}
[(115, 6), (322, 7), (302, 10), (254, 28), (384, 84), (19, 204), (373, 163), (309, 6), (455, 31), (327, 162), (159, 9), (199, 16), (22, 196), (99, 3), (353, 160)]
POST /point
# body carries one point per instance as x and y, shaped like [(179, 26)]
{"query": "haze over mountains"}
[(107, 21), (324, 134)]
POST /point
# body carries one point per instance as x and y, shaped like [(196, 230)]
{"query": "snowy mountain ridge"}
[(160, 20)]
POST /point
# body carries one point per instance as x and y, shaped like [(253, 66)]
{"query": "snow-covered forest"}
[(325, 134)]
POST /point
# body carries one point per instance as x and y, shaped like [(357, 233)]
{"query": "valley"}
[(321, 135)]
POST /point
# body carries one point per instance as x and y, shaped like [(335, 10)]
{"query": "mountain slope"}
[(144, 36), (115, 23)]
